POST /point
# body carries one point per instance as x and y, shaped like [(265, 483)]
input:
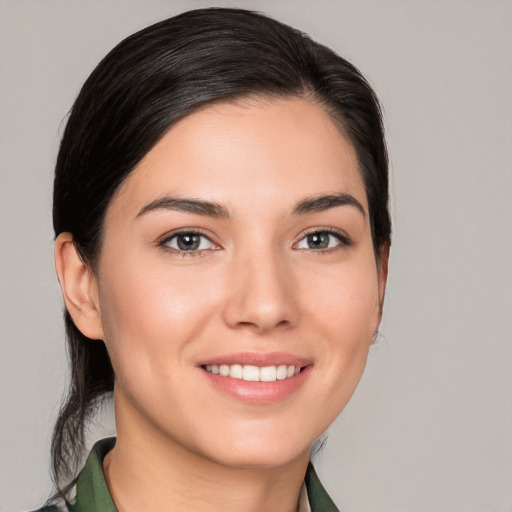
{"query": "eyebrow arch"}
[(196, 206), (322, 203)]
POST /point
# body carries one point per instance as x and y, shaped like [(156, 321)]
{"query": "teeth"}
[(251, 373), (268, 373), (236, 371), (282, 371), (254, 373)]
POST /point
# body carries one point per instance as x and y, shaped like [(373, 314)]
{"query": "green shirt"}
[(92, 494)]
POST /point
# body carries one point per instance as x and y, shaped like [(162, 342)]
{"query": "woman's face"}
[(237, 283)]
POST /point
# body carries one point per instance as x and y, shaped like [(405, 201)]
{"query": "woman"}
[(220, 208)]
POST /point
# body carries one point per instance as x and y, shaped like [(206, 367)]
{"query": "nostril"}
[(261, 326)]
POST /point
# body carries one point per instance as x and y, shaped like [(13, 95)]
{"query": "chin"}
[(258, 451), (259, 459)]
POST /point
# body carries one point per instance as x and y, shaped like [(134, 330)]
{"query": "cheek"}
[(344, 301), (344, 312), (151, 315)]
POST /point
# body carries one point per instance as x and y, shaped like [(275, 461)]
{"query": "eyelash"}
[(343, 240), (183, 252)]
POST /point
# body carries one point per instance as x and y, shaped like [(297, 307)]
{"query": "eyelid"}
[(164, 239), (345, 240)]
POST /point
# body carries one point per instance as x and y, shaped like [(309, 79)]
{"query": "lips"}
[(257, 378)]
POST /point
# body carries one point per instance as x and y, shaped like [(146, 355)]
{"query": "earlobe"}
[(79, 287)]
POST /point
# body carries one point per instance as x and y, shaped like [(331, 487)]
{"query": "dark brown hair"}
[(142, 87)]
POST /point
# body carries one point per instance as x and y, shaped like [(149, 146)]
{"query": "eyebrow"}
[(196, 206), (322, 203), (216, 210)]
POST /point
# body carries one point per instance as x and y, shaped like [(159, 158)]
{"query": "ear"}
[(79, 287), (382, 271)]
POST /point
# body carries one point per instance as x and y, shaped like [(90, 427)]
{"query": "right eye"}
[(188, 242)]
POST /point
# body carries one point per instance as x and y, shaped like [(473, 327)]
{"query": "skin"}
[(254, 286)]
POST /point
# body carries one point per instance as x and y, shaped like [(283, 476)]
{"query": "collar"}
[(92, 494)]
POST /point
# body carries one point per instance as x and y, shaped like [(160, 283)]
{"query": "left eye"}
[(189, 242), (320, 240)]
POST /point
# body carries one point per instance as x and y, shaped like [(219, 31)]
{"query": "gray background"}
[(430, 428)]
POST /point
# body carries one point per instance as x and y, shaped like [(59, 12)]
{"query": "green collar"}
[(319, 500), (92, 494)]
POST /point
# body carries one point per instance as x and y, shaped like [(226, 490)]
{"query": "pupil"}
[(318, 241), (188, 242)]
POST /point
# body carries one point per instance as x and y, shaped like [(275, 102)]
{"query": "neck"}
[(148, 471)]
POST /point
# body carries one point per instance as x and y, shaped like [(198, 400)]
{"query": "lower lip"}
[(258, 392)]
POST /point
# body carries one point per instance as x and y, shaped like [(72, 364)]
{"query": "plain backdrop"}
[(430, 427)]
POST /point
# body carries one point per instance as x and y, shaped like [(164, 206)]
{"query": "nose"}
[(261, 294)]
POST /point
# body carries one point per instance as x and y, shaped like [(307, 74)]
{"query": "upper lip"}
[(258, 359)]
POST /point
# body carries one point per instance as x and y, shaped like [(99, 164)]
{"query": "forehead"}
[(246, 153)]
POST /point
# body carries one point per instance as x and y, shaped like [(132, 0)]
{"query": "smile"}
[(257, 379), (254, 373)]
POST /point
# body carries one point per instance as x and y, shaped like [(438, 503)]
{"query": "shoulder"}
[(89, 491)]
